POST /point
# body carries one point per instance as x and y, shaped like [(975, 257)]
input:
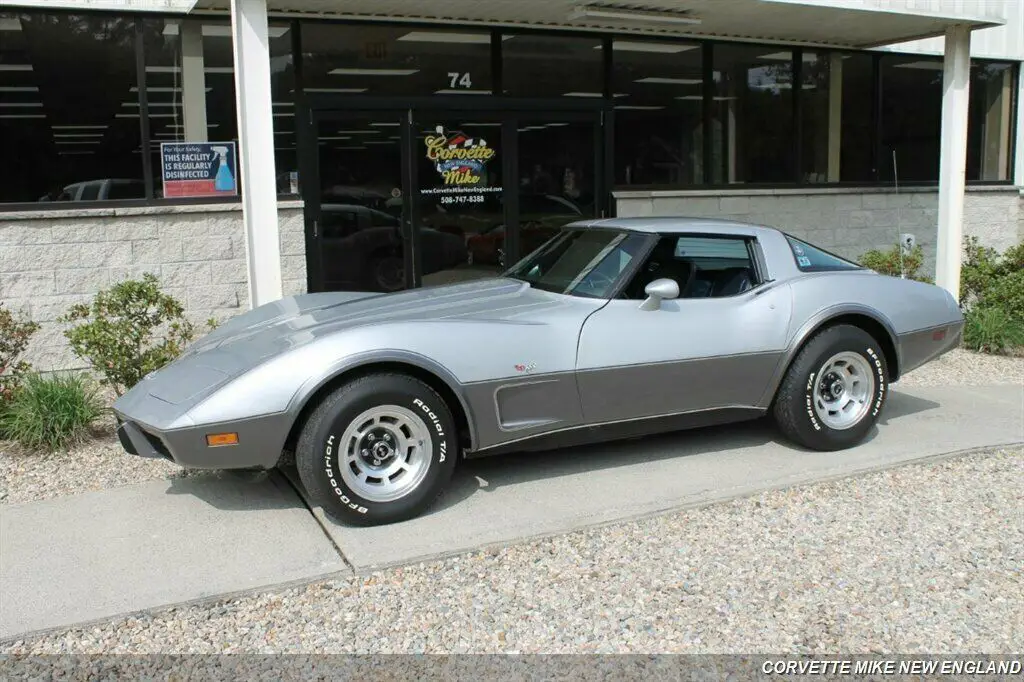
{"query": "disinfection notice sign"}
[(198, 169)]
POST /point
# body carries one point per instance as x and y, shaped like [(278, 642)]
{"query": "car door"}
[(711, 348)]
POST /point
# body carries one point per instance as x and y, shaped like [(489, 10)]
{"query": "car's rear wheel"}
[(378, 449), (834, 391)]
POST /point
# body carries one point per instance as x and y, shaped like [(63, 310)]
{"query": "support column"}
[(835, 115), (953, 157), (257, 172), (193, 81)]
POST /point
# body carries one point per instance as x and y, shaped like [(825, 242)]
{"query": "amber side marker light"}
[(216, 439)]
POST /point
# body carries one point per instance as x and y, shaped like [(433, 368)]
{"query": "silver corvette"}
[(613, 328)]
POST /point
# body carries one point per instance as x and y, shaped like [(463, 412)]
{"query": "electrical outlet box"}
[(907, 241)]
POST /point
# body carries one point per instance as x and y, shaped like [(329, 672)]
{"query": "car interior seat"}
[(663, 263), (732, 281)]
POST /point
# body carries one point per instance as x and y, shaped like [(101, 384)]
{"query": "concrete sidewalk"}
[(98, 555)]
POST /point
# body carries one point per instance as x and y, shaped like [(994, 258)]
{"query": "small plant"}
[(49, 413), (992, 330), (988, 280), (888, 262), (15, 334), (129, 331)]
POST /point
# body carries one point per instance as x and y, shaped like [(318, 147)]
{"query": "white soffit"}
[(840, 23)]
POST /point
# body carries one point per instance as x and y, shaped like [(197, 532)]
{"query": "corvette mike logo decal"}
[(458, 158)]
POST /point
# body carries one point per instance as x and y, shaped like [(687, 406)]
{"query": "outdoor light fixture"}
[(616, 14)]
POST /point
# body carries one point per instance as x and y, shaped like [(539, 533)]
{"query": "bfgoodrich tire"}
[(834, 391), (379, 449)]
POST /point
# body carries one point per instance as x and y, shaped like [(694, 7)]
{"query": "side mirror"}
[(657, 291)]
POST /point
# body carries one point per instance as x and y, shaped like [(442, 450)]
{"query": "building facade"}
[(246, 150)]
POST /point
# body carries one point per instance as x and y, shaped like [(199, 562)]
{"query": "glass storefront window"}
[(819, 109), (989, 128), (190, 88), (658, 112), (752, 125), (855, 73), (389, 61), (64, 82), (552, 66), (911, 118)]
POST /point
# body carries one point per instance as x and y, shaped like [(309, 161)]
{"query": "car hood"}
[(249, 339)]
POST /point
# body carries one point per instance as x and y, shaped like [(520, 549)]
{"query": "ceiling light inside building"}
[(446, 37), (372, 72), (639, 107), (21, 104), (456, 91), (84, 126), (609, 13), (62, 135), (6, 116), (925, 65), (15, 67), (19, 88), (662, 48), (10, 24), (670, 81), (177, 69), (592, 94), (349, 90)]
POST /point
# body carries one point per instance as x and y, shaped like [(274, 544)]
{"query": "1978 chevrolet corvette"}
[(613, 328)]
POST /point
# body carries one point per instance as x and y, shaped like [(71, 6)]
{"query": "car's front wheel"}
[(378, 449), (834, 391)]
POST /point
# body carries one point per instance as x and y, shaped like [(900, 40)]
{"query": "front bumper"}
[(260, 443)]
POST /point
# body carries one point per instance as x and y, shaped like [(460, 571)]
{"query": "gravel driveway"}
[(923, 558), (102, 464)]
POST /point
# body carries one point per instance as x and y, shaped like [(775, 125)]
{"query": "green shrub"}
[(129, 331), (49, 413), (888, 262), (15, 333), (988, 280), (992, 330)]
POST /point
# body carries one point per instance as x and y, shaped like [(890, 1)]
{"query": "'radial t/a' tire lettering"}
[(378, 449), (834, 390)]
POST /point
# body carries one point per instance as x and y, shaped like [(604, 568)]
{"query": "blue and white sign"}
[(198, 169)]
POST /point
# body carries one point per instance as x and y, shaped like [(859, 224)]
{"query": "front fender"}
[(356, 361)]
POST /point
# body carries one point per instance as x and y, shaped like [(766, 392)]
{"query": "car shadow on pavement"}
[(237, 490), (899, 405), (488, 474)]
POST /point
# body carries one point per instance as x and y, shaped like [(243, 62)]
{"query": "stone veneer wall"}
[(52, 259), (846, 221)]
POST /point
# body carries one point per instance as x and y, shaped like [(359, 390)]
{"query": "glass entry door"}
[(428, 197), (558, 179), (359, 212), (461, 211)]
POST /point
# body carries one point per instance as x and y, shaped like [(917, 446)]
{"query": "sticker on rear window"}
[(804, 261)]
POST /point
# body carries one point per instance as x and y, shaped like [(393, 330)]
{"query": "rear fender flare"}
[(811, 326)]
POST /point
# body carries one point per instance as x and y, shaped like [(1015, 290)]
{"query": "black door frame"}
[(318, 107)]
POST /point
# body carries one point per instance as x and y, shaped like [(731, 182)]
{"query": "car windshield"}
[(580, 262)]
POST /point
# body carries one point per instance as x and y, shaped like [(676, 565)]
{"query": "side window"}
[(812, 259), (702, 266)]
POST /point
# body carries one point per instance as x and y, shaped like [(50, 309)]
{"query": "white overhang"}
[(854, 24)]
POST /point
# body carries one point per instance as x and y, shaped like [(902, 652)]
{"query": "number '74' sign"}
[(459, 80)]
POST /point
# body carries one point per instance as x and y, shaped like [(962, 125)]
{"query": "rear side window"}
[(812, 259)]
